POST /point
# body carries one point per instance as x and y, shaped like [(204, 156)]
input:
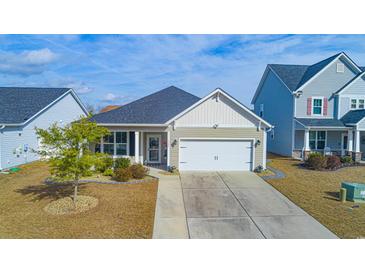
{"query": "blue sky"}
[(116, 69)]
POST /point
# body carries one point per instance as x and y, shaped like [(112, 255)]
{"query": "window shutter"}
[(309, 106), (325, 106)]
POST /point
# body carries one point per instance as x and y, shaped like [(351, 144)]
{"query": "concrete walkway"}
[(170, 217), (228, 205)]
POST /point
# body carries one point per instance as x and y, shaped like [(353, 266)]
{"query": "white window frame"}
[(340, 68), (115, 144), (317, 98), (351, 99), (363, 103), (316, 139)]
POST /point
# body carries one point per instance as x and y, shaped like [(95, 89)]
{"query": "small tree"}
[(67, 149)]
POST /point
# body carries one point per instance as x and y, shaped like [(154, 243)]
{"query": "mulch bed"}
[(67, 206)]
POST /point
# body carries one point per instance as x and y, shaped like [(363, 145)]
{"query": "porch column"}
[(142, 149), (357, 140), (136, 146), (306, 140), (168, 149), (350, 139)]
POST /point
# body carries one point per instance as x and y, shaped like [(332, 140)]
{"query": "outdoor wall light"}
[(174, 142), (258, 142), (215, 126)]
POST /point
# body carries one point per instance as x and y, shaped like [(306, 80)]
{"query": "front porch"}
[(148, 147), (340, 142)]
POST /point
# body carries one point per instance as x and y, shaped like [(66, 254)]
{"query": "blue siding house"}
[(23, 109), (319, 107)]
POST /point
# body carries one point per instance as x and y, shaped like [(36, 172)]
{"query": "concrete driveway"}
[(208, 205)]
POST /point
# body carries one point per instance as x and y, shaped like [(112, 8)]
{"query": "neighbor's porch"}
[(145, 146), (341, 142)]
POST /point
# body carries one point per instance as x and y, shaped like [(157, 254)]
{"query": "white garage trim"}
[(252, 140)]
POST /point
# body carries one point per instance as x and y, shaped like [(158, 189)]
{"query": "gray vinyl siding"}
[(228, 133), (278, 111), (355, 91), (324, 85), (64, 111), (334, 139), (299, 140)]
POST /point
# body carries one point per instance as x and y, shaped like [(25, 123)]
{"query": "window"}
[(317, 139), (353, 103), (108, 144), (261, 110), (121, 143), (361, 103), (317, 106), (340, 67), (114, 144)]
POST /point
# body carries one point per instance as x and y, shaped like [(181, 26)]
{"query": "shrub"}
[(108, 172), (316, 161), (346, 159), (122, 163), (333, 162), (102, 162), (122, 174), (138, 171), (173, 169)]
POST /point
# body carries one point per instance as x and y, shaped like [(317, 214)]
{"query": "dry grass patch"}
[(317, 192), (123, 211)]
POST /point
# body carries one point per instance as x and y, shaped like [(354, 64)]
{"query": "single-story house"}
[(23, 109), (173, 128)]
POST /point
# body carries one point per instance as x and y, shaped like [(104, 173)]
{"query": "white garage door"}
[(215, 155)]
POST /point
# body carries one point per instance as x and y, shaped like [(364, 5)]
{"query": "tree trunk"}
[(76, 184)]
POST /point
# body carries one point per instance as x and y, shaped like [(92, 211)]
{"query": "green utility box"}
[(355, 191)]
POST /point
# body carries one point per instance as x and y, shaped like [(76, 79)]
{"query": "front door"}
[(344, 143), (154, 148)]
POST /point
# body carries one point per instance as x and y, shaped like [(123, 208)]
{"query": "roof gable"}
[(19, 104), (218, 92), (291, 75), (156, 108)]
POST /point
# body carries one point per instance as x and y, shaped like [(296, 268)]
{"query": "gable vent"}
[(340, 67)]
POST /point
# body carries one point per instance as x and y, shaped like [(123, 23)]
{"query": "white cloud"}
[(38, 57), (27, 62), (111, 97)]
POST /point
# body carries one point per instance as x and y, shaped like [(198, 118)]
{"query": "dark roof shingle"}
[(353, 116), (294, 76), (310, 122), (156, 108), (18, 104)]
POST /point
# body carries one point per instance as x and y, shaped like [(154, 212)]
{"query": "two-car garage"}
[(216, 154)]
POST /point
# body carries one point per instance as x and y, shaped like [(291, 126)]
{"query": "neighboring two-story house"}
[(319, 107)]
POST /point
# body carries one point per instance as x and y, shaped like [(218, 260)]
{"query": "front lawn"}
[(123, 211), (317, 192)]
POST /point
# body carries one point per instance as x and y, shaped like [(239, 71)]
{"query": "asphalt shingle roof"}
[(291, 75), (18, 104), (309, 122), (353, 116), (156, 108), (295, 76)]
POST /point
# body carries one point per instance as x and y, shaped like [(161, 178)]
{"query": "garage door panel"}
[(215, 155)]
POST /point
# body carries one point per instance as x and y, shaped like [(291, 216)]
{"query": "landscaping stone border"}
[(49, 182)]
